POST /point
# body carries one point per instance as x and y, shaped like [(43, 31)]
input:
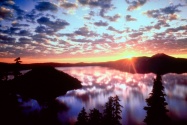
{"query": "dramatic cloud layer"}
[(46, 6), (135, 4), (91, 30)]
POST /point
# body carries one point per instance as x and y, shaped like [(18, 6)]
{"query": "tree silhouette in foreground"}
[(108, 116), (156, 105), (111, 114), (112, 111), (117, 111), (95, 117), (17, 67), (82, 118)]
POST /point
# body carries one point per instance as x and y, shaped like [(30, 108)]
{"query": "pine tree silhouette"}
[(111, 114), (17, 67), (156, 105), (112, 111), (108, 117), (95, 117), (117, 111), (82, 118)]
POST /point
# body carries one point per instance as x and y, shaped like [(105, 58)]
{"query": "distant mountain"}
[(159, 63)]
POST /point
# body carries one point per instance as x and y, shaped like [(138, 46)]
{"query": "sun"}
[(129, 54), (129, 57)]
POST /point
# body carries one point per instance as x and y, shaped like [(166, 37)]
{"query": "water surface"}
[(99, 83)]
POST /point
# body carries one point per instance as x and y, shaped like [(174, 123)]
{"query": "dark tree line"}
[(111, 114)]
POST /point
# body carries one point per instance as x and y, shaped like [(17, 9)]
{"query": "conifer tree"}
[(117, 110), (156, 105), (82, 118), (17, 67), (112, 111), (95, 117), (108, 115), (111, 114)]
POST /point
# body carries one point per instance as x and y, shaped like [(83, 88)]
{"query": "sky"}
[(71, 31)]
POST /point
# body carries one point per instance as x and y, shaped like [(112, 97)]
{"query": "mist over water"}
[(99, 83)]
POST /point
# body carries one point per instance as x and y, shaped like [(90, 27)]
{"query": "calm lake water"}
[(99, 83)]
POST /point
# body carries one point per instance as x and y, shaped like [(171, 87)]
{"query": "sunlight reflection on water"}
[(99, 83)]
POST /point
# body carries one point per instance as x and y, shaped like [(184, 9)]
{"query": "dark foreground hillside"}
[(38, 88), (45, 83)]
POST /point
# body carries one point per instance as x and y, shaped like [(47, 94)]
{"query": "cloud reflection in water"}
[(99, 83)]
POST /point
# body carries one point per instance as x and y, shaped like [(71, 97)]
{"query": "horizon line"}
[(11, 60)]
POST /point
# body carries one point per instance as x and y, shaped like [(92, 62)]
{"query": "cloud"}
[(84, 2), (87, 17), (135, 4), (31, 16), (15, 10), (67, 5), (96, 41), (24, 40), (7, 2), (92, 13), (153, 13), (46, 6), (129, 18), (81, 40), (105, 5), (114, 30), (154, 46), (16, 24), (101, 23), (173, 17), (24, 33), (112, 18), (10, 31), (40, 37), (172, 33), (66, 34), (83, 31), (185, 20), (20, 13), (50, 15), (55, 25), (171, 9), (135, 34), (167, 13), (177, 29), (43, 29), (161, 23), (5, 13), (97, 3), (4, 39), (108, 37)]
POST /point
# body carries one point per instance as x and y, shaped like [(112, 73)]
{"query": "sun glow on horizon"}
[(118, 56), (130, 55)]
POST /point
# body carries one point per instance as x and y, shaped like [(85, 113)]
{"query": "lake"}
[(99, 83)]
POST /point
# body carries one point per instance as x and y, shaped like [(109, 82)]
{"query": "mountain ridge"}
[(159, 63)]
